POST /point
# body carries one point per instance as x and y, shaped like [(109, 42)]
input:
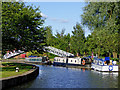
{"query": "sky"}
[(61, 15)]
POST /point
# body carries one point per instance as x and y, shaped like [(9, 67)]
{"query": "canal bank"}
[(20, 79)]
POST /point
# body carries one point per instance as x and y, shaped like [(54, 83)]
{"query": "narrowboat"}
[(63, 61), (104, 65), (33, 59), (60, 61)]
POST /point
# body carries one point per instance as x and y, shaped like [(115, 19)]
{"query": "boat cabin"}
[(33, 59), (60, 59), (107, 61), (104, 65), (88, 60), (74, 61)]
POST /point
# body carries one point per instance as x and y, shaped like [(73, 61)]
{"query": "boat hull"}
[(105, 68), (65, 64), (59, 64)]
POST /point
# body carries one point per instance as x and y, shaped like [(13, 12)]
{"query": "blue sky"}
[(61, 15)]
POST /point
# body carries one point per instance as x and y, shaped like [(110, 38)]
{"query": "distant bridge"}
[(12, 54), (57, 52), (49, 49)]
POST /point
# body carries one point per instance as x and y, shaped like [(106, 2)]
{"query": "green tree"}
[(103, 19), (49, 36), (60, 41), (77, 40), (21, 27)]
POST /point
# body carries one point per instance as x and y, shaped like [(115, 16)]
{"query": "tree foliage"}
[(21, 27), (103, 19), (77, 39)]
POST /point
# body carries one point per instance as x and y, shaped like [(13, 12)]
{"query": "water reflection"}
[(62, 77), (106, 79)]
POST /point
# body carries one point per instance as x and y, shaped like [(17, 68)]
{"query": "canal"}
[(62, 77)]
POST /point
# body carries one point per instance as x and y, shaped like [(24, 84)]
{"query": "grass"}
[(9, 69), (11, 73)]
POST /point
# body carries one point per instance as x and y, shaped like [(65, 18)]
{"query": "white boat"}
[(63, 61), (104, 65), (74, 61), (60, 61)]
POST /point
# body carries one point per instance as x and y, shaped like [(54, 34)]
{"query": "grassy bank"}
[(9, 69)]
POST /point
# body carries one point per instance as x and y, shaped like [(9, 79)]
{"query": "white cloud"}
[(59, 20), (54, 19), (43, 15), (64, 21)]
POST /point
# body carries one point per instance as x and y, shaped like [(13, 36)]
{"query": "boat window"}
[(71, 60), (63, 60), (96, 61), (100, 62), (75, 60)]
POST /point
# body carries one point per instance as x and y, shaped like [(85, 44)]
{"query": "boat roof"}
[(86, 57), (100, 59)]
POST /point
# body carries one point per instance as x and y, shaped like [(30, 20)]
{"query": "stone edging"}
[(19, 79)]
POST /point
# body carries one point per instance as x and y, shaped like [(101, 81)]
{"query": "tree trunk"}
[(98, 53), (109, 54), (114, 55), (119, 57), (0, 54)]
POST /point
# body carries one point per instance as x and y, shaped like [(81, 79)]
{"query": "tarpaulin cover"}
[(107, 58)]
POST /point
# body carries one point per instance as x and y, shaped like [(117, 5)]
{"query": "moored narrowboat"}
[(60, 61), (63, 61)]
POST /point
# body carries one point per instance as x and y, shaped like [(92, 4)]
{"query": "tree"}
[(49, 36), (104, 20), (60, 40), (21, 27), (77, 39)]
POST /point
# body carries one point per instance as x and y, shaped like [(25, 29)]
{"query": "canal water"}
[(62, 77)]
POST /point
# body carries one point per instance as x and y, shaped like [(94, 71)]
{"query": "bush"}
[(12, 66), (50, 56), (115, 59), (9, 68)]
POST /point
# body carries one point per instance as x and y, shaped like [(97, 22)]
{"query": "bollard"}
[(17, 69)]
